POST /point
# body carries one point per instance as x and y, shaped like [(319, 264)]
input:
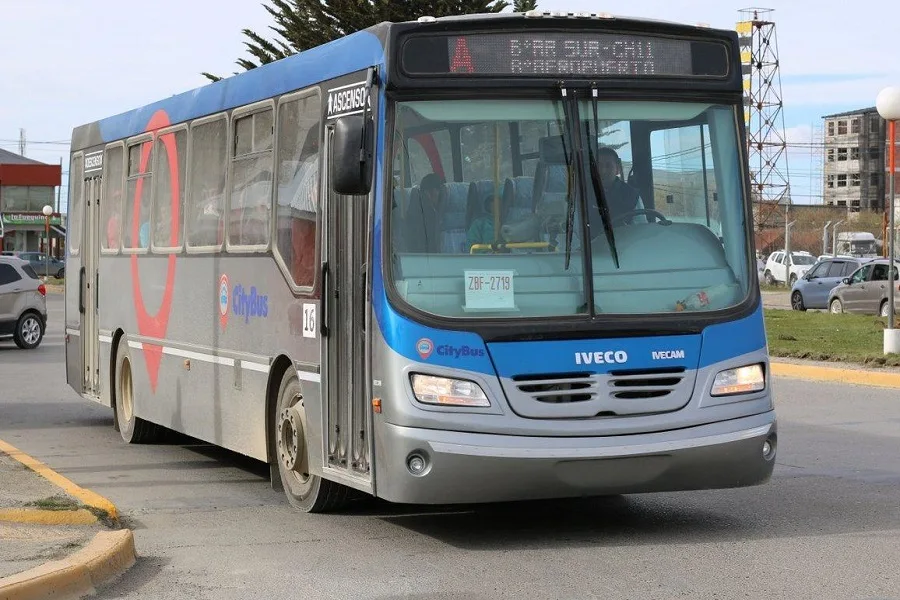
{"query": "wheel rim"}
[(884, 309), (291, 446), (125, 393), (835, 307), (796, 301), (31, 331)]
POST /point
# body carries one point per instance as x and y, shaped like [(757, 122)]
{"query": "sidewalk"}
[(55, 540)]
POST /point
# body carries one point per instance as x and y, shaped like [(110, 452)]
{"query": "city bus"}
[(455, 260)]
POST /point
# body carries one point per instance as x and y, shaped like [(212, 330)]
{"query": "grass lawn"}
[(823, 336)]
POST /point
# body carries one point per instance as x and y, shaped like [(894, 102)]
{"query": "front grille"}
[(558, 388), (587, 395), (645, 383)]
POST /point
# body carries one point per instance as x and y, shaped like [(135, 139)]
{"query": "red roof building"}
[(26, 186)]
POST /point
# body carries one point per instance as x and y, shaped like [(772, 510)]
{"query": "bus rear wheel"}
[(133, 429), (305, 491)]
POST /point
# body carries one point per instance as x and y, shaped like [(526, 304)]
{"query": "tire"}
[(290, 454), (29, 331), (133, 430), (793, 280), (797, 301), (835, 307), (769, 279), (61, 273), (883, 309)]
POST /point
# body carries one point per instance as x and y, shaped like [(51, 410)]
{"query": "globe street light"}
[(47, 210), (888, 105)]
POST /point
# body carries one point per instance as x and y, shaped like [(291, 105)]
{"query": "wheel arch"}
[(280, 366)]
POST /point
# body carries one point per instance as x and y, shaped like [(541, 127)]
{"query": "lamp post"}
[(834, 233), (888, 105), (47, 210), (825, 238)]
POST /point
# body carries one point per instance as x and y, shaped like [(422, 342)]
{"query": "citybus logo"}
[(224, 295), (249, 304), (424, 347)]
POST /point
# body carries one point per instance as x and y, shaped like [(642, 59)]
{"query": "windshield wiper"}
[(564, 128), (602, 204)]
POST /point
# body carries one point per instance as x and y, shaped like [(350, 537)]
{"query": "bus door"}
[(346, 425), (90, 257)]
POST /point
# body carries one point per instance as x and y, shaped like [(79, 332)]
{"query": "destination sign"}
[(558, 54)]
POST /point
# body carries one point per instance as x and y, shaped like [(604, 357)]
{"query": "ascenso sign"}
[(348, 100)]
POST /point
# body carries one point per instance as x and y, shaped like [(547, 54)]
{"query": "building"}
[(26, 186), (855, 165)]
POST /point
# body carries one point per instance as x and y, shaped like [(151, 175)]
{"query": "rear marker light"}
[(42, 289)]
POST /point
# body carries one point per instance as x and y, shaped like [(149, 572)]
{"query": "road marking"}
[(854, 376), (85, 496)]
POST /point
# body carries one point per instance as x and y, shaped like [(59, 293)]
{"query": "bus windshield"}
[(490, 200)]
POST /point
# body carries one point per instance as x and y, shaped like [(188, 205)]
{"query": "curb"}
[(109, 554), (87, 497), (836, 375)]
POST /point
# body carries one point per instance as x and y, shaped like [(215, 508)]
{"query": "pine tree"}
[(524, 5), (303, 24)]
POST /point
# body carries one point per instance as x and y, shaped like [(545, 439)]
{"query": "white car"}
[(778, 271)]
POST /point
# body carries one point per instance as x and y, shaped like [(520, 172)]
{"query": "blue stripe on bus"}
[(466, 350), (340, 57)]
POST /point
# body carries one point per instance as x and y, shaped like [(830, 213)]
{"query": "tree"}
[(304, 24), (524, 5)]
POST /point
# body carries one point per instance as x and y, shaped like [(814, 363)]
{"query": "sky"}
[(67, 62)]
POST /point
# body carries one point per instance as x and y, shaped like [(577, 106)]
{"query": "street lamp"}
[(825, 237), (834, 234), (47, 210), (888, 105)]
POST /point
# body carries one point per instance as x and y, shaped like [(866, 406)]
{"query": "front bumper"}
[(471, 467)]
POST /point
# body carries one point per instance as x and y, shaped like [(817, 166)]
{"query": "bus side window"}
[(138, 196), (297, 203), (168, 196), (111, 205), (251, 180), (206, 205)]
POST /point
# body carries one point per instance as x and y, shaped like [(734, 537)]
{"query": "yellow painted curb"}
[(47, 517), (86, 496), (109, 554), (855, 376)]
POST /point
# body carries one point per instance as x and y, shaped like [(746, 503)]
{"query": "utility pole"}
[(22, 141)]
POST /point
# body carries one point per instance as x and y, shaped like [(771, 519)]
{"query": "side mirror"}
[(846, 280), (351, 152)]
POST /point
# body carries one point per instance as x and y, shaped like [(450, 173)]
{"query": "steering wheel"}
[(628, 217)]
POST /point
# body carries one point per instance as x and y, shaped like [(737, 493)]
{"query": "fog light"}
[(769, 446), (416, 464)]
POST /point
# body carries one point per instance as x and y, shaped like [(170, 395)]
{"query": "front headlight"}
[(743, 380), (448, 392)]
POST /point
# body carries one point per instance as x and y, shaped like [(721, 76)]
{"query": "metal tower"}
[(764, 118)]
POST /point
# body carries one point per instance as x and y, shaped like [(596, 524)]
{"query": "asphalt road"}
[(207, 524)]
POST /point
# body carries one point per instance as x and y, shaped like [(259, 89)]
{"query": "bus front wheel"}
[(305, 491), (133, 429)]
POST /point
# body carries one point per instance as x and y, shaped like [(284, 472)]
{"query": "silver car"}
[(866, 291), (23, 303)]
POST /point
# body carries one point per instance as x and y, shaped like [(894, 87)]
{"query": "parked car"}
[(779, 271), (38, 261), (23, 303), (866, 290), (813, 289)]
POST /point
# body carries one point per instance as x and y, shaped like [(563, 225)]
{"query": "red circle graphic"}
[(156, 325)]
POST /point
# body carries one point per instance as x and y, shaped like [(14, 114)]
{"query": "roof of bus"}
[(354, 52)]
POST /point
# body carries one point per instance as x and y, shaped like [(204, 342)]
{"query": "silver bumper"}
[(473, 467)]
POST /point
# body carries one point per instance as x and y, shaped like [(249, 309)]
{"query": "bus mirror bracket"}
[(351, 165)]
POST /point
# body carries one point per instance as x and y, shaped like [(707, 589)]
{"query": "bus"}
[(455, 260)]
